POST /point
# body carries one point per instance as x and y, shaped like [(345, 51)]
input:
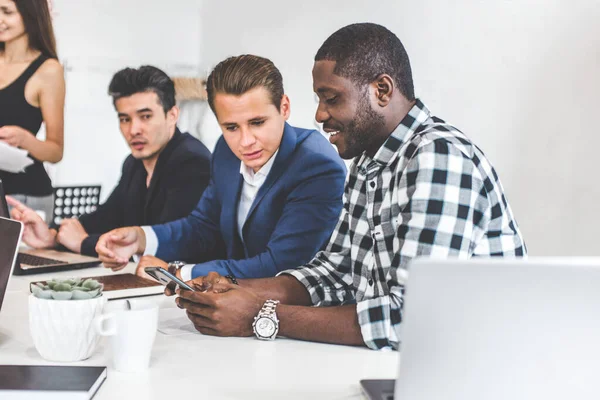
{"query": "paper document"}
[(13, 159), (174, 321)]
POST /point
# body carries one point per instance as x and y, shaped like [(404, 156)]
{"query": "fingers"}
[(206, 331), (202, 298), (113, 266), (223, 287), (27, 216), (118, 235), (16, 214), (118, 267), (195, 308), (14, 202), (170, 289), (199, 285), (139, 271), (204, 327), (213, 277), (114, 263), (106, 255), (67, 222)]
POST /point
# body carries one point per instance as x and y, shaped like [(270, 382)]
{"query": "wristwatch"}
[(266, 324), (174, 266)]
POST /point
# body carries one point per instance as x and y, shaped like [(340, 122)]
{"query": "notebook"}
[(35, 261), (30, 382), (124, 286), (499, 329)]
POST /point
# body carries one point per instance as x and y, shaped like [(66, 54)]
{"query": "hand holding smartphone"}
[(165, 277)]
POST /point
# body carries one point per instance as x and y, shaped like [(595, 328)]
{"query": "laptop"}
[(499, 329), (10, 236), (35, 261)]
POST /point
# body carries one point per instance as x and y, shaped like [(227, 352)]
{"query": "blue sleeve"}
[(308, 218)]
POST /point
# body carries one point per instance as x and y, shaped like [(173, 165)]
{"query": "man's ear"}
[(173, 115), (285, 107), (384, 89)]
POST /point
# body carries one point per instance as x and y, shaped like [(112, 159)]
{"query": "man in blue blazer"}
[(274, 196)]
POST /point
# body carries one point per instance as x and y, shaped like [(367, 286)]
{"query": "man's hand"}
[(71, 233), (36, 233), (201, 283), (116, 247), (14, 135), (151, 261), (224, 310)]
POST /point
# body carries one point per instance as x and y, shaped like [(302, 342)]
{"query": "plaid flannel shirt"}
[(429, 191)]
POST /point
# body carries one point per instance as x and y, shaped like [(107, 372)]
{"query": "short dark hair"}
[(364, 51), (146, 78), (237, 75)]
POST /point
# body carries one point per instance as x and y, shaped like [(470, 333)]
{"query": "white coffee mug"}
[(132, 334)]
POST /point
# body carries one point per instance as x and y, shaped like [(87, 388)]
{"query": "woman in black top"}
[(32, 91)]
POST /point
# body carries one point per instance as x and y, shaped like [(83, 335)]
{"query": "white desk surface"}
[(206, 367)]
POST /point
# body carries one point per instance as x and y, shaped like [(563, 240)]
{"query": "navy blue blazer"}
[(290, 220)]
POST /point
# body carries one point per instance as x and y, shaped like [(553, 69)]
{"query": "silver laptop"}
[(10, 236), (34, 261), (501, 329)]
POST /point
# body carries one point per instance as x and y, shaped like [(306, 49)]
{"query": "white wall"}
[(519, 77), (96, 39)]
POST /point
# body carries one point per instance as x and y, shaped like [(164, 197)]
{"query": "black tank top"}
[(15, 110)]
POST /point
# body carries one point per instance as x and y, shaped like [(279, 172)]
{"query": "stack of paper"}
[(13, 159)]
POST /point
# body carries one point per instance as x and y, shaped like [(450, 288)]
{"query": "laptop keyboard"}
[(34, 261)]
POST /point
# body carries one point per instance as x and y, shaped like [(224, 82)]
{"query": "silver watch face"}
[(265, 327)]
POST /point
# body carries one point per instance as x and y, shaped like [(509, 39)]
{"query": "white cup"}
[(132, 334)]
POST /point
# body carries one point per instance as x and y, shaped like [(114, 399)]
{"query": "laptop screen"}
[(10, 234), (3, 205)]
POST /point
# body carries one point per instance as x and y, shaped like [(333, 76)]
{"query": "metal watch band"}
[(268, 309), (174, 266), (266, 312)]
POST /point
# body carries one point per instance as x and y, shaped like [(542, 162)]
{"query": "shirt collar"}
[(251, 177), (409, 125)]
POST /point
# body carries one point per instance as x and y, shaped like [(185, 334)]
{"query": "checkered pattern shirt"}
[(429, 191)]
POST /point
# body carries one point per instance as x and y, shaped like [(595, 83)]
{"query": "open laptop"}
[(499, 329), (10, 236), (34, 261)]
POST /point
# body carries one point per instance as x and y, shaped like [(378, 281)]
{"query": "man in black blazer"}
[(162, 180)]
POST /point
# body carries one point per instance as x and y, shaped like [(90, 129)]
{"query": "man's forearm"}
[(285, 288), (337, 324)]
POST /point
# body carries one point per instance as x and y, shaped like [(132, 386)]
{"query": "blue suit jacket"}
[(290, 220)]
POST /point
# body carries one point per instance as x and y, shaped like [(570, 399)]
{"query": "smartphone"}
[(164, 277)]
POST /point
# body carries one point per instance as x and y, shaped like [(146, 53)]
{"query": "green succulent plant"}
[(68, 289)]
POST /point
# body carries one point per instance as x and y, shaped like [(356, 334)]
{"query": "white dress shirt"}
[(252, 184)]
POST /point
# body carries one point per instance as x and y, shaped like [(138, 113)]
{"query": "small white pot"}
[(62, 330)]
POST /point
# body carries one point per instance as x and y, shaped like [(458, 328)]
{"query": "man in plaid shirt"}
[(417, 187)]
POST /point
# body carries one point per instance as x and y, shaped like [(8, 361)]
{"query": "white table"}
[(206, 367)]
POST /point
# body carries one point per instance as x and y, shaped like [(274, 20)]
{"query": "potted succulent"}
[(61, 315)]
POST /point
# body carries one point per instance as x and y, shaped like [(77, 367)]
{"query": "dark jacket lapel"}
[(231, 200), (163, 159)]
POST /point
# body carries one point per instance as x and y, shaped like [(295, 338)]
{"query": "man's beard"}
[(358, 134)]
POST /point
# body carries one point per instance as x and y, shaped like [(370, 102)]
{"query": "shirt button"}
[(370, 282), (372, 184)]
